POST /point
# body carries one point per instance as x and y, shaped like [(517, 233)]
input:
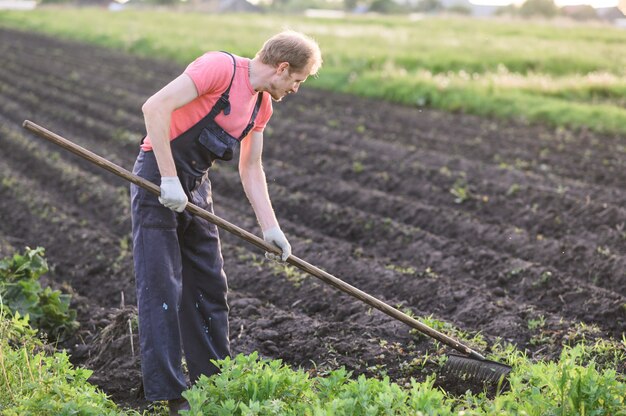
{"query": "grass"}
[(565, 75)]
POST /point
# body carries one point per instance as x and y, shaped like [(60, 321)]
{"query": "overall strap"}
[(257, 106), (223, 103)]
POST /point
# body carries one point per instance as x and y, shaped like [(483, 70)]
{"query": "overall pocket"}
[(219, 143)]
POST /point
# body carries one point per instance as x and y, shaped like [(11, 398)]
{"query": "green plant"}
[(460, 191), (573, 385), (289, 272), (35, 383), (543, 279), (357, 167), (607, 353), (474, 340), (48, 310), (429, 273), (513, 189), (537, 323), (399, 269), (604, 251), (248, 387)]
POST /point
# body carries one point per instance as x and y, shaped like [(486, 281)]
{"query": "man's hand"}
[(276, 237), (172, 194)]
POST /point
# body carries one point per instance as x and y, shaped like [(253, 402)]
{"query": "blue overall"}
[(181, 284)]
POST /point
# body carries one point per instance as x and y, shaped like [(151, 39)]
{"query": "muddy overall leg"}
[(204, 311), (158, 275)]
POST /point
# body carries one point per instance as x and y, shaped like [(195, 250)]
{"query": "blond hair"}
[(296, 48)]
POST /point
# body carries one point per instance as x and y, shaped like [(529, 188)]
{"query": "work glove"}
[(276, 237), (172, 194)]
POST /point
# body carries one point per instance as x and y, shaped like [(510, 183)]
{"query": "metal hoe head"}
[(462, 373)]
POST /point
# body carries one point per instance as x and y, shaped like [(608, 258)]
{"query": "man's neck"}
[(259, 74)]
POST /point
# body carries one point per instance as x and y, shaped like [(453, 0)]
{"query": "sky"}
[(560, 3)]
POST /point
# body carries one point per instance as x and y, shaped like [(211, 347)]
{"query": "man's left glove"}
[(172, 194), (276, 237)]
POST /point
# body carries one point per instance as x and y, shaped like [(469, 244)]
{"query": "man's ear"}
[(282, 67)]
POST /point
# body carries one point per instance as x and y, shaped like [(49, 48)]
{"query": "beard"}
[(275, 93), (276, 97)]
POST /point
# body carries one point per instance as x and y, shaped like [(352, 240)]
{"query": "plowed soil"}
[(513, 231)]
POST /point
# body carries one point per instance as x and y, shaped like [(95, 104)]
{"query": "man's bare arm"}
[(157, 112), (253, 180), (255, 185)]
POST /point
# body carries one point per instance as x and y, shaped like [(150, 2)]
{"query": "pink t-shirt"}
[(211, 74)]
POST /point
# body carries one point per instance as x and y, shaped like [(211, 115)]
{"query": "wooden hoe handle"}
[(253, 239)]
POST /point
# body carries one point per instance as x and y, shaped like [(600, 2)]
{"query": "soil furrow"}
[(422, 250), (473, 137), (568, 254), (376, 157), (84, 254), (413, 266), (491, 200), (73, 185), (59, 55), (77, 129), (74, 90)]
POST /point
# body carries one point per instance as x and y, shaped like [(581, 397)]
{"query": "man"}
[(219, 102)]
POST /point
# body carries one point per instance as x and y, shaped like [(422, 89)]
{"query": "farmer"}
[(218, 102)]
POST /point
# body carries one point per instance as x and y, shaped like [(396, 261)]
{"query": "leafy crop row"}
[(574, 385), (21, 293), (33, 382)]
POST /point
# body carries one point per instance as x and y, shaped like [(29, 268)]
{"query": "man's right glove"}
[(172, 193), (276, 237)]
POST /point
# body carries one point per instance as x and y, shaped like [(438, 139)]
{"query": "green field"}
[(564, 75)]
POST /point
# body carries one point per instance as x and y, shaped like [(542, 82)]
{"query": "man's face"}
[(285, 82)]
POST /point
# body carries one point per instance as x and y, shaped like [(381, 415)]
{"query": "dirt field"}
[(514, 231)]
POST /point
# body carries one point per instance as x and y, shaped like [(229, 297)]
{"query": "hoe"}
[(466, 368)]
